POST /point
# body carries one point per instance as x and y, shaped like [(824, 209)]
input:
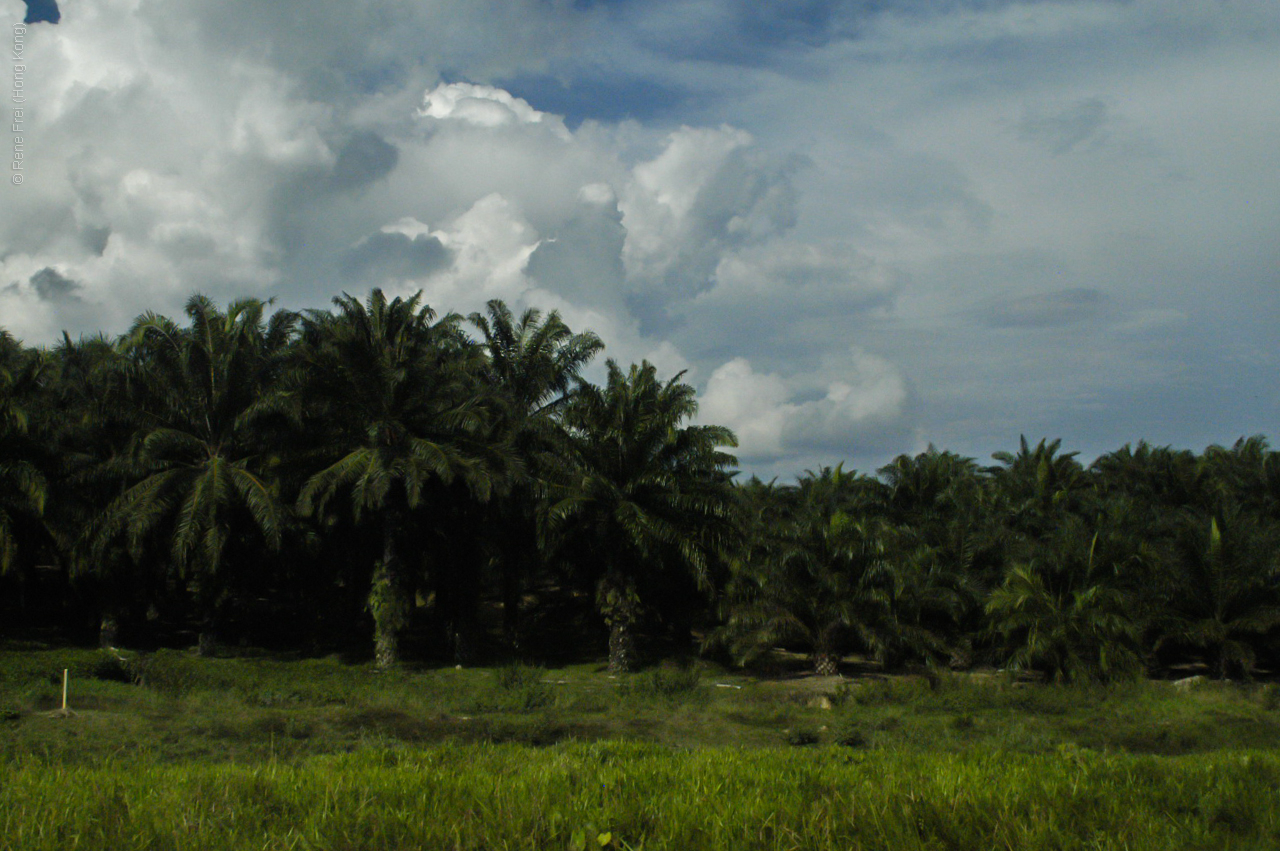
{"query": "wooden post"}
[(65, 675)]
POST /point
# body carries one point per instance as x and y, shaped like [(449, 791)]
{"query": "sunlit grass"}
[(647, 796)]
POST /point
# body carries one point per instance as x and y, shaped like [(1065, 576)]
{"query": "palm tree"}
[(1062, 613), (1159, 478), (196, 466), (1247, 474), (394, 397), (91, 427), (23, 486), (640, 495), (1224, 593), (929, 486), (535, 363), (1040, 485), (820, 580), (949, 539)]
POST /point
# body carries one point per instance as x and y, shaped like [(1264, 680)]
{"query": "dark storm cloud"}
[(395, 256), (42, 11), (366, 157), (51, 285)]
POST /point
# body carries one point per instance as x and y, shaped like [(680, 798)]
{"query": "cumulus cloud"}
[(707, 192), (861, 395), (485, 106), (362, 159), (1029, 211), (394, 256)]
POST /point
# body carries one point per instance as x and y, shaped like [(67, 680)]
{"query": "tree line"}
[(381, 480)]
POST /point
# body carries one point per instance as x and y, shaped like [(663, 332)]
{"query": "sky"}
[(859, 227)]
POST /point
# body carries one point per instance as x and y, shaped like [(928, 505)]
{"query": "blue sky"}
[(861, 227)]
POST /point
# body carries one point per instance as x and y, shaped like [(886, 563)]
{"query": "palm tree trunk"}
[(620, 605), (108, 630), (824, 656), (825, 663), (386, 599), (511, 593), (386, 646), (622, 647)]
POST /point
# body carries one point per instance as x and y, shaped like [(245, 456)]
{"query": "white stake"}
[(64, 712)]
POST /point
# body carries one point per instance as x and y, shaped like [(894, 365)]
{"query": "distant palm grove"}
[(382, 481)]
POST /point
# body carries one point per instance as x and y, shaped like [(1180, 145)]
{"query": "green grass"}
[(272, 753), (173, 706), (631, 795)]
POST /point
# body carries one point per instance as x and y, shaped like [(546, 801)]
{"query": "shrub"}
[(802, 737), (522, 688), (852, 736), (671, 685), (169, 672)]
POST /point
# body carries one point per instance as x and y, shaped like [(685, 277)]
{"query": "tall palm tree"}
[(1158, 478), (401, 417), (535, 362), (92, 424), (23, 486), (641, 495), (197, 468), (949, 537), (929, 485)]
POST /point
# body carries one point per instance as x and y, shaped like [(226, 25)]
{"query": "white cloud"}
[(705, 193), (755, 406), (1032, 210), (485, 106), (863, 394), (490, 243)]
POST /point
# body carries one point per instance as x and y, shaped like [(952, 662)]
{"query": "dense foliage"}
[(381, 480)]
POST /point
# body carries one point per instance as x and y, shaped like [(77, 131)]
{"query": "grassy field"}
[(169, 751)]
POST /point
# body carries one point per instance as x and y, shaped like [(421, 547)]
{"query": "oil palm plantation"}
[(825, 570), (197, 472), (641, 498), (1247, 474), (949, 540), (401, 425)]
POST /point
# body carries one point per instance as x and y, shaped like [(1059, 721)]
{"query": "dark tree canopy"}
[(387, 481)]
